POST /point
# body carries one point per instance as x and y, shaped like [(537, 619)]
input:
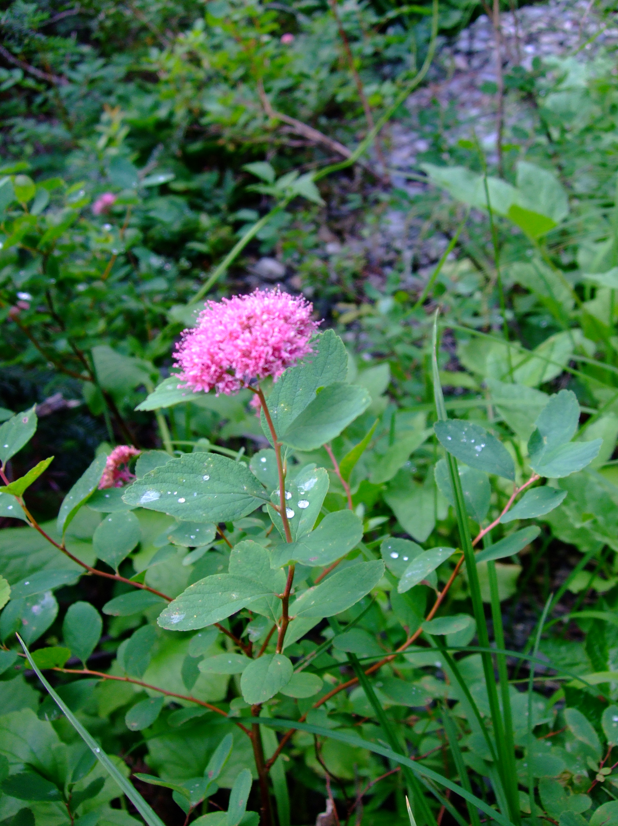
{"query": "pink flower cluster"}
[(245, 338), (115, 475), (103, 203)]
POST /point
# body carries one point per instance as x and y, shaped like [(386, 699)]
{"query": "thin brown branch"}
[(31, 70), (337, 470)]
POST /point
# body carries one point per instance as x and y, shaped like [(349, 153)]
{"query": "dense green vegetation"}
[(435, 618)]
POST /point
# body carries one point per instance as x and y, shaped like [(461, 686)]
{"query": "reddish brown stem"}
[(260, 765), (266, 641), (337, 470), (86, 672), (507, 507)]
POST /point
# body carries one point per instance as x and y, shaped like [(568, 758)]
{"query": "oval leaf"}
[(420, 568), (536, 502), (339, 591), (472, 444), (264, 677), (115, 537), (510, 545), (335, 536)]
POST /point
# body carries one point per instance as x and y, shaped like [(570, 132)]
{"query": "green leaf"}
[(192, 534), (563, 461), (557, 422), (7, 193), (201, 642), (304, 497), (42, 582), (136, 799), (336, 535), (149, 460), (143, 714), (475, 486), (540, 190), (109, 500), (32, 616), (396, 456), (115, 537), (210, 600), (605, 815), (133, 603), (79, 494), (532, 223), (165, 784), (350, 460), (302, 685), (264, 677), (7, 660), (535, 502), (297, 386), (237, 804), (9, 506), (219, 758), (91, 790), (510, 545), (168, 394), (224, 664), (29, 785), (24, 188), (52, 657), (398, 553), (199, 487), (557, 800), (582, 729), (15, 433), (136, 654), (262, 170), (609, 722), (81, 629), (263, 465), (339, 591), (448, 625), (5, 592), (326, 416), (420, 568), (19, 486), (122, 173), (472, 444)]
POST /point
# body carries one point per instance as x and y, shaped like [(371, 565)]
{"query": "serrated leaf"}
[(199, 487), (143, 714), (304, 498), (81, 629), (168, 394), (306, 187), (475, 486), (336, 535), (229, 663), (80, 493), (115, 537), (333, 409), (297, 386), (264, 677), (15, 433), (339, 591), (210, 600), (420, 568), (19, 486), (535, 502), (510, 545), (472, 444)]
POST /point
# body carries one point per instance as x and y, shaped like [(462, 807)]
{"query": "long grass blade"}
[(535, 651), (131, 792)]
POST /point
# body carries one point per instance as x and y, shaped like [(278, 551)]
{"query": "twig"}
[(49, 78), (357, 80), (337, 470)]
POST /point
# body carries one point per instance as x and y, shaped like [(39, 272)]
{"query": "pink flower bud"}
[(287, 38), (115, 475), (103, 203)]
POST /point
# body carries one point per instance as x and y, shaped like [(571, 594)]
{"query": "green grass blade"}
[(509, 780), (134, 796), (418, 768), (451, 734), (535, 651), (277, 776)]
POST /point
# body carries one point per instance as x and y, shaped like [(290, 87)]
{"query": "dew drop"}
[(303, 503), (405, 559), (263, 459), (182, 499), (206, 478), (288, 495), (289, 513), (174, 618), (394, 555), (448, 438), (615, 719), (149, 496)]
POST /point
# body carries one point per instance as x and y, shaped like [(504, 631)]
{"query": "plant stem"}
[(337, 470), (260, 765)]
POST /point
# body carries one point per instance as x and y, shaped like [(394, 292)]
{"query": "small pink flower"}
[(287, 38), (244, 338), (103, 203), (114, 475)]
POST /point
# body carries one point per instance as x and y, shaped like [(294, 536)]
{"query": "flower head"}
[(245, 338), (287, 38), (115, 475), (103, 203)]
